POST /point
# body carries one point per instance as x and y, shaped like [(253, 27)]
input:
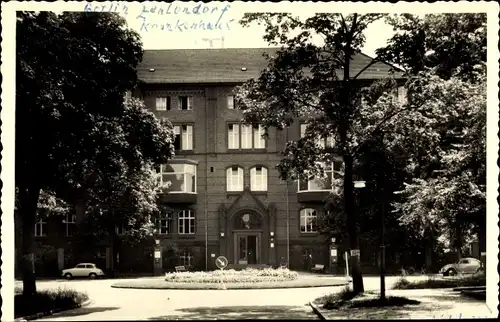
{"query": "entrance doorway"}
[(247, 250)]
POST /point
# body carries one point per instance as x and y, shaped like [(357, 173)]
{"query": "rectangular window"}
[(69, 225), (121, 229), (186, 222), (40, 228), (234, 179), (177, 178), (325, 182), (233, 136), (186, 258), (308, 221), (258, 141), (183, 137), (163, 103), (323, 142), (246, 136), (230, 102), (164, 224), (186, 103), (402, 95)]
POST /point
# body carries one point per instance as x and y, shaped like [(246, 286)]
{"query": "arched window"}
[(258, 178), (248, 221), (308, 220), (234, 178)]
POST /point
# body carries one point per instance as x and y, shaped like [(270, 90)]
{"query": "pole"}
[(382, 230), (382, 251), (346, 265)]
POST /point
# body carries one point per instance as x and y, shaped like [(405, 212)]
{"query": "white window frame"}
[(185, 131), (162, 103), (164, 224), (187, 218), (402, 95), (258, 181), (188, 170), (40, 230), (235, 178), (242, 136), (233, 136), (305, 214), (258, 141), (230, 102), (69, 220), (189, 102), (330, 172), (324, 142), (246, 136), (186, 258)]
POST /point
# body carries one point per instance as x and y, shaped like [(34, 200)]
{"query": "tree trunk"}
[(79, 238), (28, 202), (351, 218)]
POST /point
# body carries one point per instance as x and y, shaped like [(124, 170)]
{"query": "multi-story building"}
[(224, 196)]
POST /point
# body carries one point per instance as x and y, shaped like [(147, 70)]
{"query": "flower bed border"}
[(297, 283)]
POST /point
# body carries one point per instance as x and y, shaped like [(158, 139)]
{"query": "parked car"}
[(83, 270), (468, 265)]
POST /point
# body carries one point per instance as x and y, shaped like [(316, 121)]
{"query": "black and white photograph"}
[(249, 160)]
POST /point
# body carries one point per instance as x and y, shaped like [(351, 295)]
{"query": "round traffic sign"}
[(221, 262)]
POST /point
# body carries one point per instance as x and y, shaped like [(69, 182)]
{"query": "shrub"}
[(474, 280), (232, 276), (336, 300), (45, 301)]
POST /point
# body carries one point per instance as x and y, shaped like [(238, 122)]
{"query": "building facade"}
[(224, 194)]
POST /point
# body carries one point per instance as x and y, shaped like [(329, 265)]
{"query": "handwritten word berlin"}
[(201, 16)]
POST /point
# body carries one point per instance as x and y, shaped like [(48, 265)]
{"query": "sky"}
[(160, 27)]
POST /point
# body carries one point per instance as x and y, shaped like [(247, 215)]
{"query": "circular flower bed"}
[(232, 276)]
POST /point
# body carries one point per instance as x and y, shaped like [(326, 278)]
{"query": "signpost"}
[(221, 262)]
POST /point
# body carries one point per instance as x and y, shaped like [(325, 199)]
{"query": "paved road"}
[(130, 304)]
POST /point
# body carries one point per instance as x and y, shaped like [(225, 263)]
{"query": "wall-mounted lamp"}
[(272, 233), (333, 239), (222, 234), (157, 242), (272, 245)]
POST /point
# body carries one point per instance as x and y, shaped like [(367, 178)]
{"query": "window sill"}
[(242, 151), (183, 152), (186, 236), (234, 193), (309, 234)]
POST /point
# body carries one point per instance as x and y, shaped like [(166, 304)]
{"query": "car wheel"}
[(92, 276), (451, 272), (68, 276)]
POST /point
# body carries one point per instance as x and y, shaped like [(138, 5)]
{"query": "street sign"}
[(221, 262), (354, 252)]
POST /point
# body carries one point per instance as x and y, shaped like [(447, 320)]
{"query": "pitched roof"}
[(224, 65)]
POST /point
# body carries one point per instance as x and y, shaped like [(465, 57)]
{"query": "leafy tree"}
[(317, 83), (453, 198), (73, 128), (446, 55), (451, 43)]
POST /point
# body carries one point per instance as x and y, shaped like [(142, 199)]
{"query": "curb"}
[(316, 310), (51, 312)]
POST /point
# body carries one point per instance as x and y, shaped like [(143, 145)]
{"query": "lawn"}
[(347, 299), (46, 301), (439, 282)]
